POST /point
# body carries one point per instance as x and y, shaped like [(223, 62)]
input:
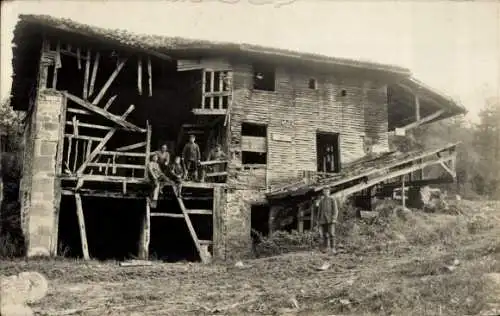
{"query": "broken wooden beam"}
[(114, 118), (101, 145), (109, 82), (110, 101), (81, 225)]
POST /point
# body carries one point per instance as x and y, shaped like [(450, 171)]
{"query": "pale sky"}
[(452, 46)]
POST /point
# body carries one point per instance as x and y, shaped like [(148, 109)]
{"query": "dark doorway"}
[(328, 152), (259, 222)]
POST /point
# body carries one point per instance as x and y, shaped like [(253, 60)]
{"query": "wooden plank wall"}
[(353, 107)]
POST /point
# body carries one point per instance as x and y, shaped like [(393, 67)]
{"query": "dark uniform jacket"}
[(327, 211), (191, 152)]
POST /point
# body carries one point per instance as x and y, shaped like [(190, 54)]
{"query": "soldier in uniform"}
[(157, 177), (177, 174), (217, 154), (191, 156), (163, 158), (327, 218)]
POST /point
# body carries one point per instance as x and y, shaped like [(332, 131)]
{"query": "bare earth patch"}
[(430, 264)]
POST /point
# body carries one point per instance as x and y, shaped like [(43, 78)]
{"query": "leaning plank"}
[(94, 74), (86, 77), (201, 252), (81, 224), (130, 147), (390, 175), (114, 118), (109, 82), (101, 145)]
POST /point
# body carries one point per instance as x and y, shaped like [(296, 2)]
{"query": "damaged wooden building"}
[(99, 101)]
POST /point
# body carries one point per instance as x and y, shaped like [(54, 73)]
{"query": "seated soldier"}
[(156, 177), (163, 158), (177, 174)]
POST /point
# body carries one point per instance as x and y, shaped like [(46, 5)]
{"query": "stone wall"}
[(40, 186), (237, 221)]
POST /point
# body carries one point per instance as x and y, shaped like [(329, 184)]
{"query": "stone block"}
[(41, 163), (48, 148)]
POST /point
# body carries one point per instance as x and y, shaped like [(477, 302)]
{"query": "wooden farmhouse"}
[(99, 101)]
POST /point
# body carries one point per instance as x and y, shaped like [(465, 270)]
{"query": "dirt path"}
[(381, 278)]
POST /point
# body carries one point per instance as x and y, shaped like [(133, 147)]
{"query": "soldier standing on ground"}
[(327, 218), (191, 156)]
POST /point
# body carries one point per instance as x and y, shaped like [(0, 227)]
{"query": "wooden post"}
[(417, 108), (212, 82), (403, 195), (81, 224), (203, 85), (150, 77), (218, 224), (86, 76), (139, 75), (272, 214), (145, 233), (300, 218), (148, 149), (94, 74)]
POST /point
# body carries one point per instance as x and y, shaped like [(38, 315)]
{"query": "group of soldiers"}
[(183, 168)]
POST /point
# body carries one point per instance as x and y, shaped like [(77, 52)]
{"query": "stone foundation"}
[(40, 186), (238, 242)]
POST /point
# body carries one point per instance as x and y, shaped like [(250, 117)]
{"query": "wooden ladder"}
[(201, 245)]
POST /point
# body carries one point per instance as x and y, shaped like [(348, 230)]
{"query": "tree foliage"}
[(478, 154)]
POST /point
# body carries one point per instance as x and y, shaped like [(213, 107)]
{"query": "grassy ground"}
[(402, 264)]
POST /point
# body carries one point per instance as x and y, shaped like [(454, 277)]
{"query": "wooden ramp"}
[(368, 172)]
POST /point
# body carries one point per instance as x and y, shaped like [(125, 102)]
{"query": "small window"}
[(253, 145), (250, 129), (264, 78), (313, 84), (343, 92), (252, 158)]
